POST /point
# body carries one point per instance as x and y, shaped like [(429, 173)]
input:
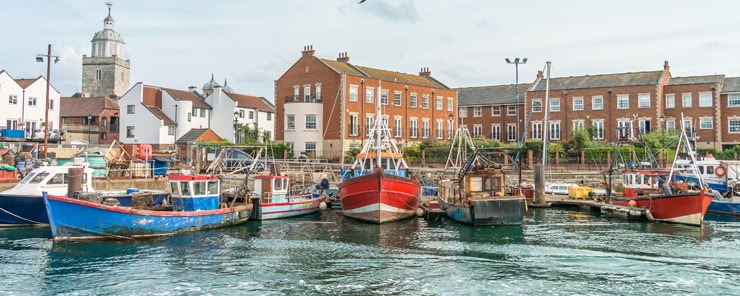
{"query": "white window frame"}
[(623, 102), (425, 128), (598, 126), (578, 104), (370, 95), (537, 130), (511, 132), (537, 105), (496, 110), (706, 123), (597, 103), (555, 105), (733, 100), (424, 101), (686, 100), (733, 125), (510, 110), (414, 128), (463, 112), (440, 129), (705, 100), (450, 104), (290, 122), (398, 127), (477, 130), (384, 97), (354, 93), (496, 132), (397, 100), (440, 103), (554, 130), (643, 101), (311, 122), (354, 125), (477, 111), (413, 101), (670, 101)]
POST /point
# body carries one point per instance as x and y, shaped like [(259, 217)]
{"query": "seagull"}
[(361, 1)]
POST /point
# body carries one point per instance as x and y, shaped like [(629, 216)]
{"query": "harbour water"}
[(556, 252)]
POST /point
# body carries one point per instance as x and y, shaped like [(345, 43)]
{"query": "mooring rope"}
[(19, 217)]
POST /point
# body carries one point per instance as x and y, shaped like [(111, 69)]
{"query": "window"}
[(670, 125), (510, 110), (686, 100), (578, 125), (687, 126), (203, 112), (425, 128), (537, 105), (370, 123), (353, 125), (477, 130), (425, 102), (706, 123), (369, 95), (103, 136), (353, 93), (733, 100), (463, 112), (251, 114), (311, 121), (705, 100), (397, 99), (290, 122), (413, 101), (450, 104), (98, 75), (440, 130), (190, 117), (495, 110), (440, 103), (104, 121), (670, 101), (130, 109), (624, 128), (643, 101), (397, 127), (195, 111), (511, 132), (554, 130), (644, 126), (269, 116), (450, 134), (555, 105), (307, 93), (13, 99), (51, 104), (578, 104), (496, 132), (171, 130), (296, 93), (129, 132), (384, 97), (477, 111), (598, 126), (413, 128), (623, 102), (733, 126), (310, 148), (241, 113), (32, 101), (317, 97), (537, 130), (597, 103)]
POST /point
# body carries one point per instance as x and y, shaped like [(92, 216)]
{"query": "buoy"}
[(322, 206), (419, 212), (632, 203)]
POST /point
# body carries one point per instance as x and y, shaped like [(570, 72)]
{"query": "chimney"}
[(666, 66), (425, 72), (192, 89), (539, 73), (343, 57), (308, 51)]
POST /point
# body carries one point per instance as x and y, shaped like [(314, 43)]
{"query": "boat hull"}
[(72, 219), (494, 211), (281, 210), (684, 208), (379, 197), (724, 207), (20, 210)]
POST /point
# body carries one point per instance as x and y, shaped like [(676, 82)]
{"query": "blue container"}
[(9, 133), (159, 168), (132, 190)]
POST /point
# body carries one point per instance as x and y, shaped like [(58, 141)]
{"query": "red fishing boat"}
[(378, 188)]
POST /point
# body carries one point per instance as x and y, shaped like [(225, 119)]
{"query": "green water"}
[(556, 252)]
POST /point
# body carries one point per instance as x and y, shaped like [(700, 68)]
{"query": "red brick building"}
[(324, 107)]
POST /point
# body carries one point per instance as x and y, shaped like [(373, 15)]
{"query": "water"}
[(557, 252)]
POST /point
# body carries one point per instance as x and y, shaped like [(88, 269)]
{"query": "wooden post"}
[(423, 158), (583, 157), (539, 184), (557, 160), (660, 159), (530, 158)]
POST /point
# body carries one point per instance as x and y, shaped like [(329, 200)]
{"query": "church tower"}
[(105, 72)]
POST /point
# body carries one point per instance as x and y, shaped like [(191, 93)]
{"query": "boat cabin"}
[(478, 184), (195, 192), (391, 163), (277, 188), (642, 182), (51, 179)]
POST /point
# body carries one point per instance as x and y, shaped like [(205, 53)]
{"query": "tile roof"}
[(76, 107), (184, 95), (160, 115), (605, 80), (489, 95), (252, 102), (191, 136), (25, 82), (411, 79), (696, 79), (731, 84)]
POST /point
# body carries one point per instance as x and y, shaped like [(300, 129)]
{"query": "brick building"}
[(324, 107)]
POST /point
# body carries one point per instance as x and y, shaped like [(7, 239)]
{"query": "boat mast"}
[(378, 132), (545, 125)]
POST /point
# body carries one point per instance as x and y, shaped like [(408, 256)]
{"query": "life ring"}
[(720, 171)]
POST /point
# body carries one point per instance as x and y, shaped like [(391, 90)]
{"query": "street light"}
[(40, 58), (662, 139), (89, 127), (516, 63), (236, 122)]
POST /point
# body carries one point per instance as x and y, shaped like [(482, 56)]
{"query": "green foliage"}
[(278, 149), (580, 139)]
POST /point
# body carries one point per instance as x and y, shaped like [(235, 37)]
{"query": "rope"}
[(19, 217)]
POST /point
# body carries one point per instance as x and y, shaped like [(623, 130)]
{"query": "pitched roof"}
[(350, 69), (25, 82), (489, 95), (191, 136), (252, 102), (731, 84), (696, 80), (184, 95), (160, 115), (76, 107), (606, 80)]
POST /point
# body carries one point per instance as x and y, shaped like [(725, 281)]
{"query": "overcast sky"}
[(250, 43)]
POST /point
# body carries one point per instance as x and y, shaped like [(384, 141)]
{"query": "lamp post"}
[(516, 63), (236, 122), (89, 127), (40, 58), (662, 138)]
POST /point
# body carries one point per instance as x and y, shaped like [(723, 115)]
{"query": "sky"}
[(464, 43)]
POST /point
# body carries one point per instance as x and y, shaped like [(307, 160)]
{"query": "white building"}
[(158, 115), (23, 104), (250, 110)]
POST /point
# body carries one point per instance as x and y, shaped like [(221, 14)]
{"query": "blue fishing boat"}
[(196, 205), (722, 176)]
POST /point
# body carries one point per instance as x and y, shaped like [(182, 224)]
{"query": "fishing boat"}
[(23, 205), (722, 176), (377, 188), (478, 196), (196, 205), (653, 190), (277, 200)]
